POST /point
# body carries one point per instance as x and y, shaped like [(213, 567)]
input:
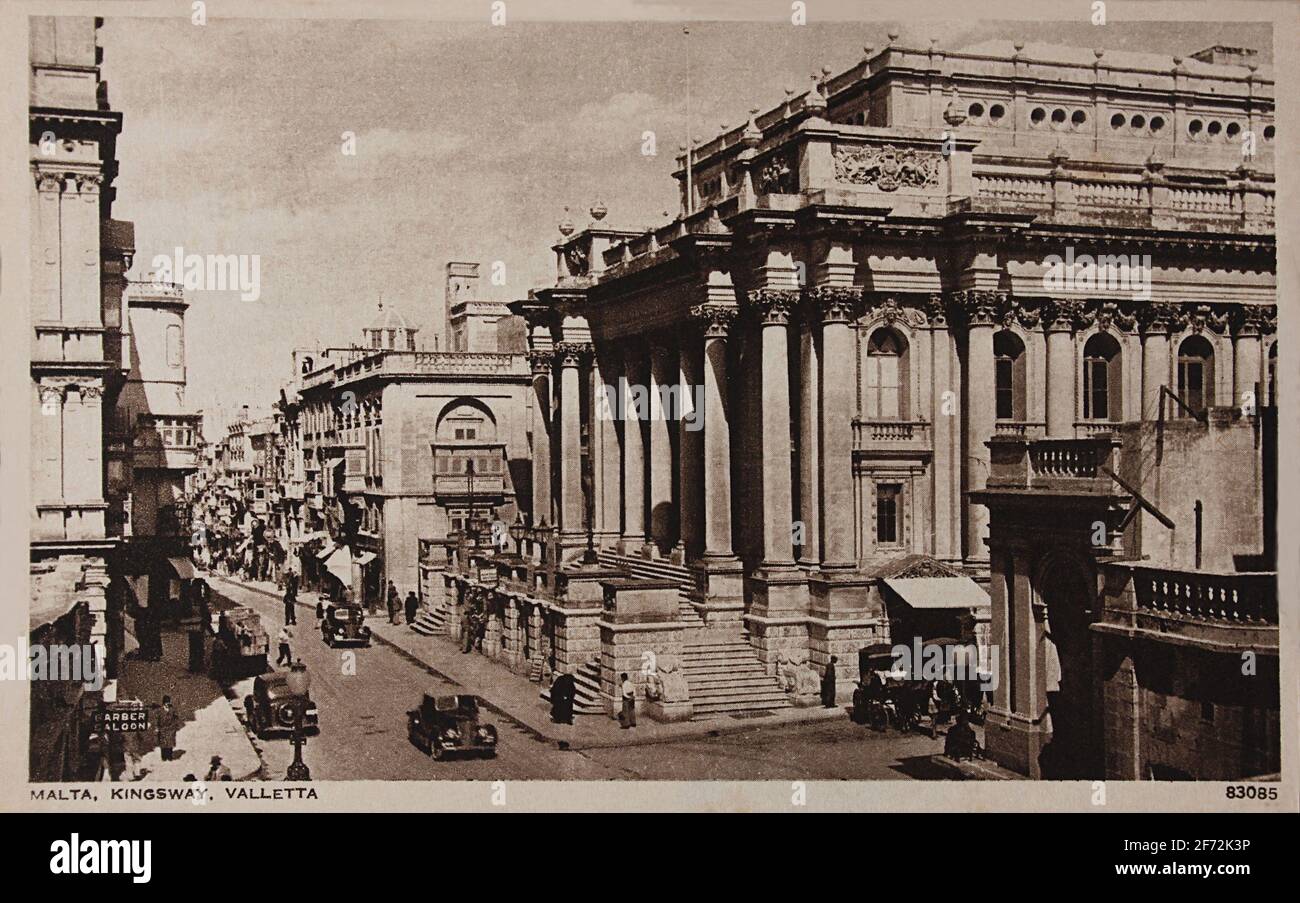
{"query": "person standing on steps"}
[(412, 607)]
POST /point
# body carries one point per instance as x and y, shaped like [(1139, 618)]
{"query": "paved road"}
[(363, 716), (363, 731)]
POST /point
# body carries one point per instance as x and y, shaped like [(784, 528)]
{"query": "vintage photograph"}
[(664, 399)]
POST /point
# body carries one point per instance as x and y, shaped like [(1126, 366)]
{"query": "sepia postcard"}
[(648, 405)]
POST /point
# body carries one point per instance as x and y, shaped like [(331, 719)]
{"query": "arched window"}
[(1101, 379), (1196, 373), (1009, 375), (885, 383)]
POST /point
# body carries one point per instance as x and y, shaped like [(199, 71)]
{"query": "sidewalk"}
[(514, 696), (209, 725)]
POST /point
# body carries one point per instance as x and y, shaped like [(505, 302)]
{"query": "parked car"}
[(449, 725), (270, 707), (242, 643), (344, 625)]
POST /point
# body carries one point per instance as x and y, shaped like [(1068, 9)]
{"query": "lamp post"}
[(299, 682), (517, 531)]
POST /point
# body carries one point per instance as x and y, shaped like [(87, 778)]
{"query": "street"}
[(363, 695)]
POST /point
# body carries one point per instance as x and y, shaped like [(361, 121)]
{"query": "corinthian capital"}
[(541, 361), (1157, 318), (773, 305), (49, 181), (981, 307), (572, 354), (836, 304), (715, 319)]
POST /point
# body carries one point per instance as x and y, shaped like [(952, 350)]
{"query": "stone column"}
[(1248, 358), (571, 355), (662, 373), (839, 308), (541, 362), (634, 535), (810, 460), (779, 595), (717, 431), (606, 467), (690, 447), (1060, 369), (945, 390), (1156, 320), (981, 309)]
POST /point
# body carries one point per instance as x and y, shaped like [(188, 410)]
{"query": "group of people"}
[(396, 606), (473, 629)]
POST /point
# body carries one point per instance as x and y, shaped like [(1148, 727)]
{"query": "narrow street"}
[(363, 730)]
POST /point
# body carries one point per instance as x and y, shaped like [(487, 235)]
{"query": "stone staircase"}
[(431, 621), (725, 676), (586, 685), (655, 569)]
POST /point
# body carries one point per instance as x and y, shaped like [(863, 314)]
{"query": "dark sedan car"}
[(270, 707), (449, 725), (344, 625)]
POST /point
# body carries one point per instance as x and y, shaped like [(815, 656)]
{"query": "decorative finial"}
[(566, 224), (598, 211), (893, 36), (1098, 52), (1019, 46), (867, 50)]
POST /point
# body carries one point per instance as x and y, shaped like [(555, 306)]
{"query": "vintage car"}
[(270, 707), (448, 725), (242, 643), (344, 625)]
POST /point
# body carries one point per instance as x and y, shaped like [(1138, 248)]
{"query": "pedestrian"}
[(217, 771), (394, 600), (828, 684), (627, 718), (169, 724), (290, 607), (961, 742), (412, 606), (562, 692), (284, 638), (466, 632)]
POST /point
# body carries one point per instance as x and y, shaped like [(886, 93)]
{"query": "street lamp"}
[(299, 682), (517, 532)]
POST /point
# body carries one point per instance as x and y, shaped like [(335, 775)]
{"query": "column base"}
[(719, 592), (844, 617), (1014, 742), (779, 591)]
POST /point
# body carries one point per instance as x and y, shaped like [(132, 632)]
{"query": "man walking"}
[(412, 606), (169, 724), (466, 632), (284, 638), (628, 717), (290, 606), (828, 684)]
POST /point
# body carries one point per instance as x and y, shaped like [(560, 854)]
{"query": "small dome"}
[(388, 318)]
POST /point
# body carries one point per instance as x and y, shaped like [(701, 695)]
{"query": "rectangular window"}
[(1006, 395), (1191, 377), (1096, 397), (882, 396), (888, 499)]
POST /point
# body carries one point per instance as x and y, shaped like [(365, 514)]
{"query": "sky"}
[(470, 142)]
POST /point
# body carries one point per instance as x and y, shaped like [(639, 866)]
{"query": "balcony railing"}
[(1067, 458), (1023, 429), (1247, 599), (1076, 465), (876, 433), (1085, 429)]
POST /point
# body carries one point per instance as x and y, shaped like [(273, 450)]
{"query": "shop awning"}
[(183, 567), (939, 592), (326, 552), (340, 565), (365, 558)]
